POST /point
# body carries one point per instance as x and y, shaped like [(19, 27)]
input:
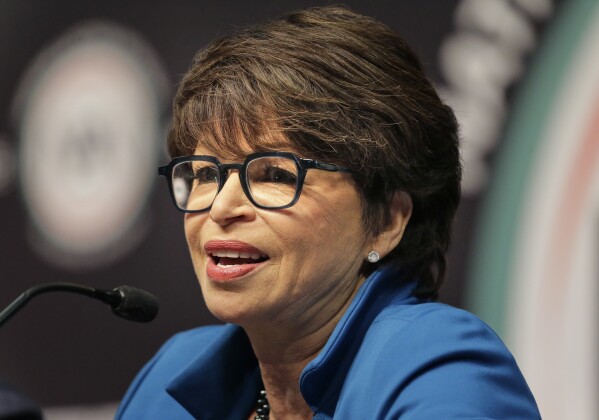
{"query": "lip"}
[(228, 273), (231, 245)]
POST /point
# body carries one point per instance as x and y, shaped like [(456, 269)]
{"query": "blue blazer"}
[(391, 356)]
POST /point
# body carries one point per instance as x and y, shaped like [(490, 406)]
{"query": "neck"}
[(283, 351), (281, 364)]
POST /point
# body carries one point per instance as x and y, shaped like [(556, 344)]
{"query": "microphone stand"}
[(141, 307)]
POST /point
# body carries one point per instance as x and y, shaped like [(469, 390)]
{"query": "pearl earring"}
[(373, 256)]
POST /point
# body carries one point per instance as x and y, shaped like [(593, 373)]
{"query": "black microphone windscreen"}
[(136, 304)]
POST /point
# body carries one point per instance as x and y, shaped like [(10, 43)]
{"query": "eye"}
[(272, 170), (278, 175), (206, 174)]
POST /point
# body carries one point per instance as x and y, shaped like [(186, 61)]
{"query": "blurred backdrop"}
[(85, 91)]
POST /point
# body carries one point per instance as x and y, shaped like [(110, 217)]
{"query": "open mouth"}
[(232, 259), (229, 258)]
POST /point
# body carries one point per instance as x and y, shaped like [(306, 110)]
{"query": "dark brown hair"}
[(343, 88)]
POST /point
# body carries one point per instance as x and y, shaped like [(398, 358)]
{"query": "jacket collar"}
[(322, 379), (224, 379)]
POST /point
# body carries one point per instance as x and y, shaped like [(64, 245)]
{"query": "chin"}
[(232, 312)]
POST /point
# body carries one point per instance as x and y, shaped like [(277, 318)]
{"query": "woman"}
[(319, 174)]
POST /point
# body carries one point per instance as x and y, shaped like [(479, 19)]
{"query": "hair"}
[(340, 87)]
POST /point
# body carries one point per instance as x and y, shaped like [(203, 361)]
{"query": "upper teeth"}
[(235, 254)]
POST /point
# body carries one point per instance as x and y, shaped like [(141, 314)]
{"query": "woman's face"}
[(309, 255)]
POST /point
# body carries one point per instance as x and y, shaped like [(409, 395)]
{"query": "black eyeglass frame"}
[(224, 169)]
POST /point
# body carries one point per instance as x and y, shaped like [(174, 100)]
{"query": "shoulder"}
[(432, 332), (147, 396), (436, 324), (176, 353), (434, 361), (186, 343)]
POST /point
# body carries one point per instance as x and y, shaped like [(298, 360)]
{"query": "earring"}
[(373, 256)]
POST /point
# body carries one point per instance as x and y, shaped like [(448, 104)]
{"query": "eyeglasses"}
[(270, 180)]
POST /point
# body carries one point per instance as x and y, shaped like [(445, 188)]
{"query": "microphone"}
[(127, 302)]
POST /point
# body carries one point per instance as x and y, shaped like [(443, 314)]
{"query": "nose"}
[(231, 204)]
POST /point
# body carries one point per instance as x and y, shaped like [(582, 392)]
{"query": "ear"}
[(400, 211)]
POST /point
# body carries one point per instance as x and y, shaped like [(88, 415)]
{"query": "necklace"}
[(263, 408)]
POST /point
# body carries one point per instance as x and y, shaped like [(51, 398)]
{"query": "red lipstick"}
[(229, 259)]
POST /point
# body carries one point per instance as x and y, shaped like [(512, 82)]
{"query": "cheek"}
[(342, 218), (329, 254), (333, 230), (190, 229), (192, 226)]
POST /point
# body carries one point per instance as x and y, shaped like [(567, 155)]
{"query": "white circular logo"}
[(90, 121)]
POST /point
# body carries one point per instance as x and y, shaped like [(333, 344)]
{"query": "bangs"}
[(229, 119), (233, 103)]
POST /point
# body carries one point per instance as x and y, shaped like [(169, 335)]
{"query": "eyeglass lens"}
[(272, 182)]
